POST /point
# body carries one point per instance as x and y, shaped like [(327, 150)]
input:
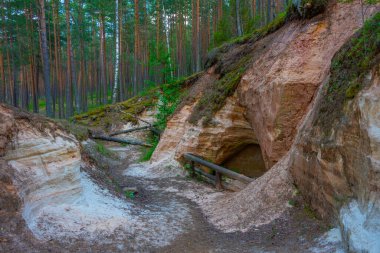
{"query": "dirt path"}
[(295, 231)]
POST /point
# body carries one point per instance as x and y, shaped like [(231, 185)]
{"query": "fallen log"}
[(152, 128), (122, 141), (130, 130)]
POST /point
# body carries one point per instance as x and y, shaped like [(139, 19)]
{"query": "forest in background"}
[(62, 57)]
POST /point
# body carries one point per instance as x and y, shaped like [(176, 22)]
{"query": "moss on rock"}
[(103, 116), (348, 70)]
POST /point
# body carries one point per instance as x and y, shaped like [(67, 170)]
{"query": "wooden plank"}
[(220, 169), (218, 180), (192, 168), (211, 179)]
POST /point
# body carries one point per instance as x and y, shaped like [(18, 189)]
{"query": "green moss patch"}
[(349, 67), (104, 116)]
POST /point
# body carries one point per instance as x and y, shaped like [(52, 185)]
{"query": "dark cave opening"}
[(247, 160)]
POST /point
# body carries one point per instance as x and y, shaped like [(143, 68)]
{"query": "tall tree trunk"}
[(121, 50), (220, 10), (69, 99), (158, 28), (198, 37), (103, 72), (46, 62), (167, 32), (137, 49), (238, 19), (117, 55), (269, 11), (82, 89), (32, 61), (57, 58), (2, 73), (10, 79)]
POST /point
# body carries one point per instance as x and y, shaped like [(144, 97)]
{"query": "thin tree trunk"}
[(103, 73), (121, 71), (238, 19), (69, 100), (220, 10), (117, 55), (57, 58), (46, 62), (167, 32), (82, 90), (137, 48), (198, 37), (2, 72)]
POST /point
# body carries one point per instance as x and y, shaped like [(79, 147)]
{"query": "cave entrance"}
[(248, 161)]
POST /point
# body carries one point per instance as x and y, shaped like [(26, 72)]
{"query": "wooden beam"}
[(220, 169), (218, 180), (153, 129), (211, 179)]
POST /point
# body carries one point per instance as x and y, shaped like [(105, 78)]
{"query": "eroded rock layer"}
[(42, 170), (339, 174), (281, 84), (229, 132)]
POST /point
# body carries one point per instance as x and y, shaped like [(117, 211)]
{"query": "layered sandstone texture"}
[(281, 84), (228, 131), (60, 202), (274, 94), (339, 173)]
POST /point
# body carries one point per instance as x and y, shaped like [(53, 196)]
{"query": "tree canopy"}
[(62, 57)]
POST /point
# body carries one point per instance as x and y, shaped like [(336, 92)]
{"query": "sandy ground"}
[(294, 231), (165, 216)]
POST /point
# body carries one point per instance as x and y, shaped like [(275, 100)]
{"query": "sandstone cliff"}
[(274, 94), (274, 105)]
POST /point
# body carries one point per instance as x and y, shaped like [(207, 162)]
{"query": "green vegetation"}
[(292, 202), (103, 116), (129, 194), (148, 152), (170, 96), (349, 67), (310, 212), (103, 150)]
